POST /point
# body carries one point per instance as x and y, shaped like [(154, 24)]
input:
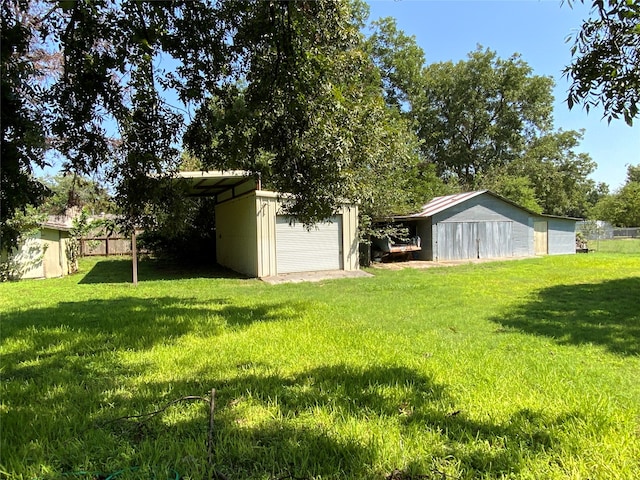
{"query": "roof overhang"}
[(223, 185)]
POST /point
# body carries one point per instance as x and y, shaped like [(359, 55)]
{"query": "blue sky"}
[(537, 30)]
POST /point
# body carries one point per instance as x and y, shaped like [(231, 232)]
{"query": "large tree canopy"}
[(622, 208), (308, 113), (23, 126), (68, 191), (549, 177), (105, 107), (284, 89), (485, 123), (292, 91), (295, 118), (400, 61), (480, 113), (605, 70)]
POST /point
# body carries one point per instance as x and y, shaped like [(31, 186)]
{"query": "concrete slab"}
[(314, 276)]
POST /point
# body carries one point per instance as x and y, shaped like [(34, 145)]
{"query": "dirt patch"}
[(446, 263)]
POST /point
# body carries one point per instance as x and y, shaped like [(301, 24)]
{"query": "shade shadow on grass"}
[(606, 314), (61, 366), (64, 360), (130, 323), (283, 446), (120, 270), (74, 377)]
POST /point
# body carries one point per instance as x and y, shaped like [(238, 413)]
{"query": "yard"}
[(523, 369)]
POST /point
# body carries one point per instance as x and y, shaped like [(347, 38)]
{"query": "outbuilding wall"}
[(236, 235), (45, 254), (351, 259), (561, 236), (55, 259), (267, 206), (246, 238), (487, 208), (482, 208), (31, 257), (424, 231)]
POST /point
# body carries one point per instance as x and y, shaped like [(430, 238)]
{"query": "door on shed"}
[(495, 239), (467, 240), (302, 250), (540, 237)]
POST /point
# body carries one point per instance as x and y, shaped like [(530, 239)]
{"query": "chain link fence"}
[(626, 232), (599, 230)]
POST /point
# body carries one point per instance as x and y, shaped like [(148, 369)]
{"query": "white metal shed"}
[(254, 236)]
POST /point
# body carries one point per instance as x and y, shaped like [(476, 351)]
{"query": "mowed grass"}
[(621, 245), (525, 369)]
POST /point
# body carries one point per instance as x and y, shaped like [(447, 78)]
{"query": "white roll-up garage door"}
[(302, 250)]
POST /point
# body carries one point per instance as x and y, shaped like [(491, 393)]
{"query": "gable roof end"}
[(439, 204)]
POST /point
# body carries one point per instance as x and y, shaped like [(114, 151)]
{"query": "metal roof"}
[(439, 204), (213, 183)]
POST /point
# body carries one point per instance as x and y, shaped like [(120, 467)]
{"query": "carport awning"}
[(223, 185)]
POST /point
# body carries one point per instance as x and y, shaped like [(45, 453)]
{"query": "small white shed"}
[(254, 236), (45, 254)]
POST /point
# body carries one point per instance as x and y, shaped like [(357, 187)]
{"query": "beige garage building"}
[(256, 238)]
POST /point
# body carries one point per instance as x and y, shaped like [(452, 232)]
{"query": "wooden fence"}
[(105, 246)]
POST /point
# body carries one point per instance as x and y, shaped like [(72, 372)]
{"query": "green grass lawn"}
[(622, 245), (525, 369)]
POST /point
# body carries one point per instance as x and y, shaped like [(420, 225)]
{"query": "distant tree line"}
[(621, 208)]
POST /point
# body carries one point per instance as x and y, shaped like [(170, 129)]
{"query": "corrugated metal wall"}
[(486, 226), (494, 228), (562, 236), (468, 240)]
